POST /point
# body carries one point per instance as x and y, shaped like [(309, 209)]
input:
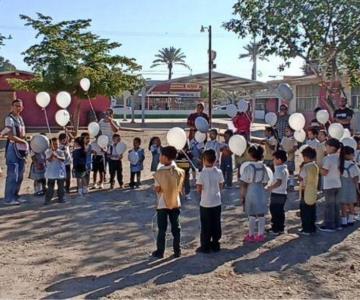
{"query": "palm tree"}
[(254, 52), (170, 57)]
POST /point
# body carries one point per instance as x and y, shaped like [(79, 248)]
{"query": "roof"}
[(16, 72)]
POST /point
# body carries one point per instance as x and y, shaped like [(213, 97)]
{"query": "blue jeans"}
[(15, 174), (227, 170)]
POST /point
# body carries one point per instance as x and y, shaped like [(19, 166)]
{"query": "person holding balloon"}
[(98, 164), (115, 163), (282, 121), (64, 146), (270, 143), (37, 172), (226, 160), (199, 113), (214, 144), (136, 166), (79, 166), (155, 149), (289, 145)]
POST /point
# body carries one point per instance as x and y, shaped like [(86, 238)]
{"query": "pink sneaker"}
[(260, 238), (249, 239)]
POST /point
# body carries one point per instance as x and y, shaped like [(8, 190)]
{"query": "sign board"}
[(185, 87)]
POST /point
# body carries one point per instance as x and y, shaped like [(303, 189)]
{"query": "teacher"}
[(15, 153), (199, 113), (343, 114), (109, 126), (282, 121)]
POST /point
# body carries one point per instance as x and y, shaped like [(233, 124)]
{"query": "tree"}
[(68, 52), (6, 65), (170, 57), (327, 31), (253, 50)]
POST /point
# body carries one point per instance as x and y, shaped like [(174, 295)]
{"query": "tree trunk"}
[(170, 72), (253, 75)]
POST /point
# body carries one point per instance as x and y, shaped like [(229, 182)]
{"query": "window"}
[(355, 97), (307, 97)]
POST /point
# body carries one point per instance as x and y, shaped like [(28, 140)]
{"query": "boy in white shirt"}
[(214, 144), (278, 191), (313, 142), (209, 184)]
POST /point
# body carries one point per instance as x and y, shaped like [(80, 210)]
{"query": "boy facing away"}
[(169, 180)]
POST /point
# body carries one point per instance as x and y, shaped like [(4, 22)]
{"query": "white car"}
[(121, 109)]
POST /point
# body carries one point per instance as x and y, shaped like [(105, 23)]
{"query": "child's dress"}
[(155, 151), (79, 163), (256, 199), (196, 149), (348, 192)]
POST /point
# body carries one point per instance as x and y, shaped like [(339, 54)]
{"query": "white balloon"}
[(176, 137), (271, 118), (39, 143), (336, 131), (62, 117), (202, 124), (120, 148), (231, 110), (243, 105), (43, 99), (93, 129), (349, 141), (285, 91), (322, 116), (63, 99), (103, 141), (297, 121), (200, 137), (133, 157), (303, 147), (346, 134), (300, 135), (237, 144), (85, 84)]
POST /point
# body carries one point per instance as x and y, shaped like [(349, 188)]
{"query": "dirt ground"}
[(99, 247)]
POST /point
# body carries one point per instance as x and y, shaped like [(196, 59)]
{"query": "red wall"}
[(33, 114)]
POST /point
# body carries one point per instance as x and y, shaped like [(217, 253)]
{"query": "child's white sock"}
[(344, 220), (350, 219), (261, 225), (252, 224)]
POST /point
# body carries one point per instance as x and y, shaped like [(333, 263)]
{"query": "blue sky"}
[(143, 27)]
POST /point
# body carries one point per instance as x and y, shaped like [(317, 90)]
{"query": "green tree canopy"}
[(6, 65), (170, 57), (327, 31)]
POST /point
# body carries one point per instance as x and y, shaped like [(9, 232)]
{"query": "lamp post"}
[(211, 55)]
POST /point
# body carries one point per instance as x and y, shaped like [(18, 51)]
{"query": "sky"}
[(143, 27)]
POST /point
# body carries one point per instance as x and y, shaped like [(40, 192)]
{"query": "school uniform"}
[(278, 198), (210, 208), (216, 146), (309, 175), (331, 186), (68, 162), (115, 166), (348, 191), (196, 149), (135, 169), (98, 158), (155, 151), (226, 164), (268, 156), (317, 146)]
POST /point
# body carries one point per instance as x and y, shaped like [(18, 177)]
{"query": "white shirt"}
[(106, 129), (55, 169), (314, 143), (210, 179), (357, 157), (248, 173), (214, 145), (332, 179), (281, 173)]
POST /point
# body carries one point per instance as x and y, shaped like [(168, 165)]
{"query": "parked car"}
[(120, 109)]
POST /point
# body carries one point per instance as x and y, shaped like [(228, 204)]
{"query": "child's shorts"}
[(98, 164)]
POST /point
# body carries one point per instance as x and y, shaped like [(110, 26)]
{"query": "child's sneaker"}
[(157, 254), (249, 239), (260, 238), (101, 186)]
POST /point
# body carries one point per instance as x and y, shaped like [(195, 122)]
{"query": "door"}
[(260, 108)]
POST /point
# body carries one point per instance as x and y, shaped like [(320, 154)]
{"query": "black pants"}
[(68, 178), (132, 178), (210, 218), (162, 219), (115, 168), (50, 190), (308, 216), (277, 203)]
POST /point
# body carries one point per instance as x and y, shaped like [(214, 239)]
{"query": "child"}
[(98, 164), (168, 185), (55, 172), (226, 162), (270, 144), (252, 191), (182, 161), (309, 176), (209, 184), (87, 147), (115, 164), (357, 152), (289, 145), (79, 166), (196, 150), (136, 169), (213, 144), (349, 185), (331, 185), (313, 142), (239, 160), (37, 173), (278, 191), (64, 146), (154, 148)]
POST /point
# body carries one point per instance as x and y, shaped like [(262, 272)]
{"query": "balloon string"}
[(47, 120), (92, 108), (191, 163)]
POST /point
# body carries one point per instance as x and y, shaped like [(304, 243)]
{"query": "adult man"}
[(16, 151), (108, 125), (199, 113), (343, 114), (282, 121)]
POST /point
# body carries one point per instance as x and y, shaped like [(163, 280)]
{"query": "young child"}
[(226, 161), (182, 161), (309, 176), (79, 166), (136, 169), (98, 164), (115, 163), (209, 184), (253, 193), (87, 147), (357, 152), (313, 142), (64, 146), (55, 172), (155, 149), (214, 144), (349, 185), (289, 145), (270, 144), (196, 149), (239, 160), (331, 185), (37, 172), (278, 191), (168, 185)]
